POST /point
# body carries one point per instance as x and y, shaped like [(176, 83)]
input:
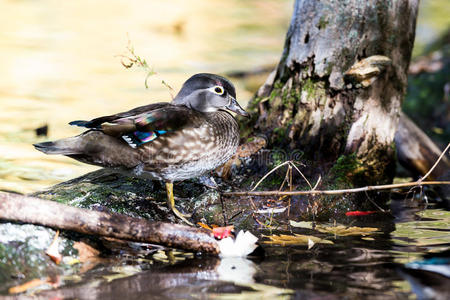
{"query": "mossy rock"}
[(22, 254)]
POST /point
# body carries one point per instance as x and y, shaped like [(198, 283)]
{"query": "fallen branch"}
[(435, 164), (19, 208), (417, 152), (336, 192)]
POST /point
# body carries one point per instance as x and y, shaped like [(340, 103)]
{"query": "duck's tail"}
[(67, 146), (94, 147)]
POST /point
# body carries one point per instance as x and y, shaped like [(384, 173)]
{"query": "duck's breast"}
[(192, 151)]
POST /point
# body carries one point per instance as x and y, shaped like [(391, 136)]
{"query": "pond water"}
[(381, 265), (61, 61)]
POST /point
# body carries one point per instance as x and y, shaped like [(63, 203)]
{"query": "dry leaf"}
[(222, 232), (296, 239), (88, 256), (122, 272), (53, 251), (301, 224), (203, 225), (244, 150), (160, 256), (250, 148), (28, 285), (85, 252), (342, 230)]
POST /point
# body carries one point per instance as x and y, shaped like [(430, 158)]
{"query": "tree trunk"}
[(337, 91)]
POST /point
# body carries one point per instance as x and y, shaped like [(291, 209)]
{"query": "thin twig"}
[(435, 164), (317, 183), (374, 203), (336, 192), (265, 176), (290, 187), (307, 181)]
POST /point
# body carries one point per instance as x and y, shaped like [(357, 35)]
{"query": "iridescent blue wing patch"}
[(137, 138)]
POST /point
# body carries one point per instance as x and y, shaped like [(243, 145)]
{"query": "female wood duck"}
[(166, 141)]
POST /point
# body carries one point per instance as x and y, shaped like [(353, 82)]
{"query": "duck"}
[(168, 141)]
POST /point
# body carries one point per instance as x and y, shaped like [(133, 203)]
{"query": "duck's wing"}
[(144, 124), (135, 112)]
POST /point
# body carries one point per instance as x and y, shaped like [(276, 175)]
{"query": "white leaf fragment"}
[(244, 244)]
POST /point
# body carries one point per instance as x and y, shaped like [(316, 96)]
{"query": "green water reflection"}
[(430, 233)]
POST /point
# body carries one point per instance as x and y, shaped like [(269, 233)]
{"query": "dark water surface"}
[(377, 266)]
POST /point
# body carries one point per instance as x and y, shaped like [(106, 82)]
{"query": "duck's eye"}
[(218, 90)]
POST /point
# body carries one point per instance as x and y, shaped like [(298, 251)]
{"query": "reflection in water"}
[(186, 280), (429, 276), (236, 269), (427, 285), (353, 267)]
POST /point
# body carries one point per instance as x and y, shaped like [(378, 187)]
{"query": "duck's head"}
[(208, 93)]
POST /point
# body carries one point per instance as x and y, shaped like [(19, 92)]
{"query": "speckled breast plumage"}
[(190, 152)]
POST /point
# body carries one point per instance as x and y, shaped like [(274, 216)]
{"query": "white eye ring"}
[(218, 90)]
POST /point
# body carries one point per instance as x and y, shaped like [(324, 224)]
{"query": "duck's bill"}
[(235, 107)]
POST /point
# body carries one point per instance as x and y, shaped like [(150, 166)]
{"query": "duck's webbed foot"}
[(171, 204)]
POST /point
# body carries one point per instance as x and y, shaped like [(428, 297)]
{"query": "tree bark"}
[(339, 85)]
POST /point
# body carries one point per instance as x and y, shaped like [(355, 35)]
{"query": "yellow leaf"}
[(296, 239), (71, 260), (301, 224), (342, 230), (28, 285), (203, 225)]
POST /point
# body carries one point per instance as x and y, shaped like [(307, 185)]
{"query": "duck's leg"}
[(171, 203)]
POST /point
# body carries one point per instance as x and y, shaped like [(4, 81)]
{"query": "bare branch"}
[(337, 192), (19, 208)]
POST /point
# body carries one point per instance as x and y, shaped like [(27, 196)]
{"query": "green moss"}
[(274, 181), (329, 68), (308, 87), (290, 98), (323, 22), (278, 156), (279, 135), (253, 104), (315, 91), (378, 165), (344, 168)]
